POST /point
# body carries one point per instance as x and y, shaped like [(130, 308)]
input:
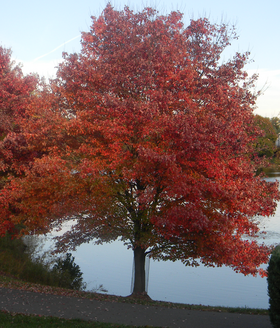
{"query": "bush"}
[(70, 275), (273, 281)]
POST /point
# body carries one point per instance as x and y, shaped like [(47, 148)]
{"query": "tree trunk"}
[(139, 271)]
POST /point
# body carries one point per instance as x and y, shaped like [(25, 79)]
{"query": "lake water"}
[(111, 266)]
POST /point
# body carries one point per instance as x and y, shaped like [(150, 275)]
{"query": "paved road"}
[(130, 314)]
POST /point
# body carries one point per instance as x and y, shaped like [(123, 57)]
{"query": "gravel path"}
[(19, 301)]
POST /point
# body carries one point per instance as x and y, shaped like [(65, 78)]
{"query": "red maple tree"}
[(150, 141)]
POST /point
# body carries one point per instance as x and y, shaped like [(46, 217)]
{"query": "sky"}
[(38, 33)]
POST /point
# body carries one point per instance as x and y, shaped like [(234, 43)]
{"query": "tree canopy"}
[(16, 97), (148, 137)]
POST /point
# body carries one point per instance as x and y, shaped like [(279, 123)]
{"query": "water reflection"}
[(111, 265)]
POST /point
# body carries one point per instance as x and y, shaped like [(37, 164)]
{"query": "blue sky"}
[(38, 33)]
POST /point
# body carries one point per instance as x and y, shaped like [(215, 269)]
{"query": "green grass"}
[(22, 321)]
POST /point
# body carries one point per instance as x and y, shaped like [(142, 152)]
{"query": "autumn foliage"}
[(149, 138), (16, 97)]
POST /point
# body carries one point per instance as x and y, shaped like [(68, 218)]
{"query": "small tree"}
[(70, 273), (273, 281)]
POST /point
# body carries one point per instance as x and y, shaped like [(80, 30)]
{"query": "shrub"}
[(70, 275), (273, 281)]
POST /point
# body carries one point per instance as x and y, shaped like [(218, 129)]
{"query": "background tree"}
[(276, 123), (151, 142), (265, 144), (16, 97)]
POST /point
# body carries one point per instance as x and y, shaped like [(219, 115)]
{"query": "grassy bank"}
[(19, 259), (16, 260)]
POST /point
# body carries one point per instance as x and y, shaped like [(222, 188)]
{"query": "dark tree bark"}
[(139, 271)]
